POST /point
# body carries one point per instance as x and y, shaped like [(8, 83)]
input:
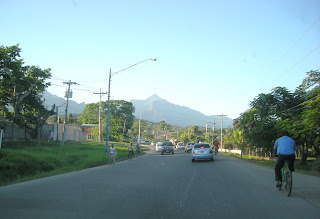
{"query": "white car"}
[(180, 145), (158, 147)]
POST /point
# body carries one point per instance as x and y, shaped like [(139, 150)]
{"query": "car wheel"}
[(161, 153), (211, 159), (192, 160), (172, 152)]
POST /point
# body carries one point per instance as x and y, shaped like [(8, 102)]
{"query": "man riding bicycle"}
[(216, 147), (285, 148)]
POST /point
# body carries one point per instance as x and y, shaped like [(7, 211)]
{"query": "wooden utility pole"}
[(214, 124), (101, 94), (222, 129), (68, 95)]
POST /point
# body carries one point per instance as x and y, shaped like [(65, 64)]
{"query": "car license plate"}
[(167, 151), (201, 152)]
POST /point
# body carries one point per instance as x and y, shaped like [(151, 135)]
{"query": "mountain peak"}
[(153, 98)]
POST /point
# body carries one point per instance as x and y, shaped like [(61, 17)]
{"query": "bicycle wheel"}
[(288, 183)]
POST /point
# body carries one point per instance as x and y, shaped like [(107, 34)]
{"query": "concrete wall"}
[(12, 132)]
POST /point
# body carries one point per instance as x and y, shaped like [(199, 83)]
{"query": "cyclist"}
[(285, 148), (216, 147), (130, 149), (137, 149), (112, 153)]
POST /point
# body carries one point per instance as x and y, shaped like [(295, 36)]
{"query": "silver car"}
[(201, 151), (188, 146)]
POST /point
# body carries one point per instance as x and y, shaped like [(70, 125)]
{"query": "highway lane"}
[(163, 186)]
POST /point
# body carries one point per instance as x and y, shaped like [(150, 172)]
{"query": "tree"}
[(120, 121), (304, 124), (233, 138), (22, 88), (298, 113)]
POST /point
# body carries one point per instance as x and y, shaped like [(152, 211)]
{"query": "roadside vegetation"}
[(27, 161), (311, 167)]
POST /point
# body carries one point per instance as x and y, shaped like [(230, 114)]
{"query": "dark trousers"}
[(280, 163)]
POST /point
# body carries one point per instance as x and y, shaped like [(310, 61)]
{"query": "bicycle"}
[(286, 178), (137, 152), (130, 155), (111, 158), (215, 151)]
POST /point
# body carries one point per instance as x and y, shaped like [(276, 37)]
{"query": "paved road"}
[(167, 186)]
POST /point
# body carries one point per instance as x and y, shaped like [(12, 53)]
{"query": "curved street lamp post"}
[(108, 106)]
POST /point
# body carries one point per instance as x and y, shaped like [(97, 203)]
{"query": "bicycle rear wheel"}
[(288, 185)]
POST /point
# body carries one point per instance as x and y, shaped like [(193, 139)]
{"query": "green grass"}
[(305, 169), (25, 161)]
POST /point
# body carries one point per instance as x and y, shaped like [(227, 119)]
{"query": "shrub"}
[(316, 165)]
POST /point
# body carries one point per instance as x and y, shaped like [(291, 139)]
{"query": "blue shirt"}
[(285, 145)]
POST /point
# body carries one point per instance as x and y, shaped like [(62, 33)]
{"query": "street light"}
[(108, 106)]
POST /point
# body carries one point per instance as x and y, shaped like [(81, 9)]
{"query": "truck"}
[(167, 147)]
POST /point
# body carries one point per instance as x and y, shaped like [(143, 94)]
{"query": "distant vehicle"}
[(180, 145), (158, 146), (167, 147), (147, 142), (188, 147), (153, 143), (202, 151), (142, 141)]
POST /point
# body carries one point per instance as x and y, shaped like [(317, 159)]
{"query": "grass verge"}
[(26, 161)]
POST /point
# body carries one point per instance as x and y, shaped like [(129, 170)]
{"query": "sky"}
[(212, 56)]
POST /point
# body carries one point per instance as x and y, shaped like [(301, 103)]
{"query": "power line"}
[(312, 51), (296, 42)]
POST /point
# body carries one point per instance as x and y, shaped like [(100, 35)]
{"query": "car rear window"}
[(165, 144), (201, 146)]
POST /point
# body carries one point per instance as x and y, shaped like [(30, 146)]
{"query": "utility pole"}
[(214, 123), (101, 94), (207, 130), (67, 95), (58, 120), (222, 128), (207, 126), (139, 128)]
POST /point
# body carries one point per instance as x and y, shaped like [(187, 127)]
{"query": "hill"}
[(74, 107), (155, 109)]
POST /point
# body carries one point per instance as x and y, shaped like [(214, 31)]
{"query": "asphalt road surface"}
[(163, 186)]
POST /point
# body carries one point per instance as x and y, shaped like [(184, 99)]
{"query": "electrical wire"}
[(296, 42), (312, 51)]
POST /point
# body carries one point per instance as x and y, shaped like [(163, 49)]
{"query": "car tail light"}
[(210, 152)]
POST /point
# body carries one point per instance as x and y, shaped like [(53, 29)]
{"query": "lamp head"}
[(153, 59)]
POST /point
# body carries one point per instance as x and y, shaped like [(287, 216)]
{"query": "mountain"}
[(74, 107), (155, 109)]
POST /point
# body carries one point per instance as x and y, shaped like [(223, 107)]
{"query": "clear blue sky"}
[(213, 56)]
